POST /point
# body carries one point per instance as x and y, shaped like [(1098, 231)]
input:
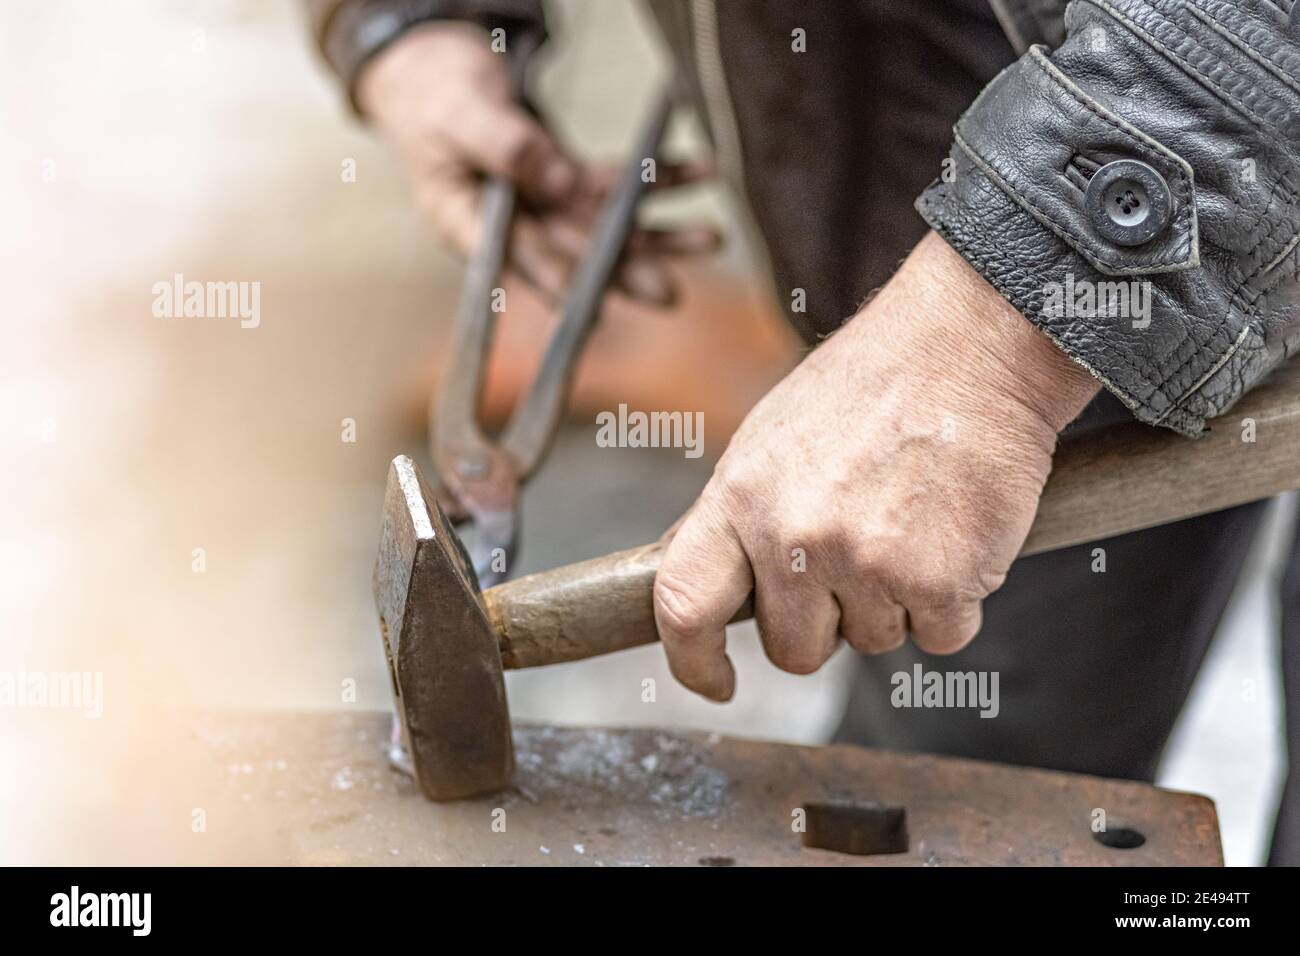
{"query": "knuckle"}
[(519, 151), (880, 639), (929, 576), (930, 593), (822, 542), (676, 608), (942, 587), (987, 581), (735, 489), (868, 565), (815, 540), (949, 630)]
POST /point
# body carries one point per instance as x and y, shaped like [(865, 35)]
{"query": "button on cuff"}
[(1128, 202)]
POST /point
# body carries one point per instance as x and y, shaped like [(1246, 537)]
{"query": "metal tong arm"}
[(533, 425), (464, 456)]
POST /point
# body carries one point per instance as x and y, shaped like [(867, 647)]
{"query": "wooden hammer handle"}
[(580, 610), (1104, 483)]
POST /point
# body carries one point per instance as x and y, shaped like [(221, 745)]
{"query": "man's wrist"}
[(418, 46), (1020, 361)]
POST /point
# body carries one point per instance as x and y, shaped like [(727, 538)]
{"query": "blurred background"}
[(181, 509)]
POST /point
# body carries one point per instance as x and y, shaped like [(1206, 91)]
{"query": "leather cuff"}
[(357, 30), (1131, 196)]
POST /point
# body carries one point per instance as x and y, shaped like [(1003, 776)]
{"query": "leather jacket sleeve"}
[(1136, 194), (350, 32)]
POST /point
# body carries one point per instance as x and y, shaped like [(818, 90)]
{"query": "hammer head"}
[(442, 651)]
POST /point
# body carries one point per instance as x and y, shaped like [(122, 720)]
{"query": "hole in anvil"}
[(1120, 838), (862, 828), (717, 861)]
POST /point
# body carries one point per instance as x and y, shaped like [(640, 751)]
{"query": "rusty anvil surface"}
[(318, 789)]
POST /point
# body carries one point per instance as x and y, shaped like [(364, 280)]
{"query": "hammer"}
[(448, 643)]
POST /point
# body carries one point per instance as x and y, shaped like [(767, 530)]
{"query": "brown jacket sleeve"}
[(349, 32)]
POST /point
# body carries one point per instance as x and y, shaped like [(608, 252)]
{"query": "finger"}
[(684, 173), (571, 231), (681, 241), (595, 183), (640, 278), (870, 622), (451, 204), (945, 629), (646, 280), (798, 619), (703, 580), (566, 233), (543, 265), (506, 141), (599, 181)]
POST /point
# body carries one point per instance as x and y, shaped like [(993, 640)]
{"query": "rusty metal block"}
[(635, 797)]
